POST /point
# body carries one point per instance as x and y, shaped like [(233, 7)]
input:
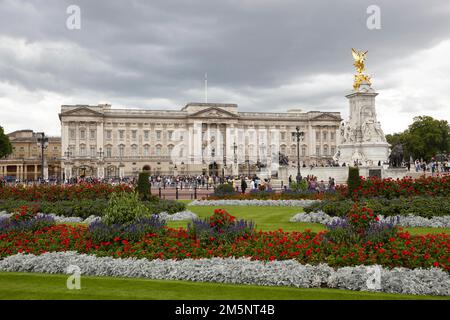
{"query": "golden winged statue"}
[(360, 77)]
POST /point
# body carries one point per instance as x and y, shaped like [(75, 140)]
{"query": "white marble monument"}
[(362, 140)]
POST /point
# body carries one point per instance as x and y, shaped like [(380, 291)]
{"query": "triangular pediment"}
[(213, 112), (326, 117), (81, 111)]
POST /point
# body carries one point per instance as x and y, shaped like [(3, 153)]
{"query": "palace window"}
[(146, 134), (317, 151), (121, 134), (72, 134), (324, 136), (108, 134), (134, 134), (92, 151), (82, 150), (158, 150), (325, 150), (317, 135), (146, 151), (170, 135), (170, 148), (92, 134), (158, 135), (134, 150), (82, 134), (108, 152), (283, 136), (332, 135), (303, 151), (333, 151), (121, 150)]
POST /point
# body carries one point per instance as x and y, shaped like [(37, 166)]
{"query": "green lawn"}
[(46, 286), (274, 218)]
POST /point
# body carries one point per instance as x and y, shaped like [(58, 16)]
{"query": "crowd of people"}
[(432, 166)]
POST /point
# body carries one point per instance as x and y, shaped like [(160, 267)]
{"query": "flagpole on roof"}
[(206, 87)]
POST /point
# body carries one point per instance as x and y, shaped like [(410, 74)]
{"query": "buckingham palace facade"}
[(201, 138)]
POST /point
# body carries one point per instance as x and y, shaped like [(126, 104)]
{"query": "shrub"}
[(162, 205), (25, 219), (124, 208), (221, 226), (426, 207), (24, 213), (143, 187), (134, 231), (86, 208), (353, 180), (223, 190), (302, 186), (360, 225)]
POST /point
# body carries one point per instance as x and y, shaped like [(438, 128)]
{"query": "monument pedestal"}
[(366, 154), (362, 139)]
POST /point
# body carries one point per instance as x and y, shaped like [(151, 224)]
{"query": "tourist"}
[(243, 185)]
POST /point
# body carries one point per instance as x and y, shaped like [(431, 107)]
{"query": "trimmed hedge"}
[(353, 180), (426, 207), (86, 208)]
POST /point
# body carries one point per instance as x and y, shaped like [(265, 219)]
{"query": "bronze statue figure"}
[(396, 156)]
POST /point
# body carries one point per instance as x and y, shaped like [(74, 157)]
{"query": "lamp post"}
[(224, 163), (100, 153), (234, 158), (67, 155), (299, 135), (100, 168), (42, 142)]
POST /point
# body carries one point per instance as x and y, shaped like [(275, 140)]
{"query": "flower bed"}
[(52, 193), (402, 250), (399, 220), (390, 188), (272, 195), (254, 202), (431, 281), (86, 207), (420, 206)]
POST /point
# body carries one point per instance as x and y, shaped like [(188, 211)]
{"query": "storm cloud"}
[(264, 55)]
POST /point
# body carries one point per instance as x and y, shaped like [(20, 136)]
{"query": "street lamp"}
[(42, 142), (100, 153), (299, 135), (224, 162), (67, 154)]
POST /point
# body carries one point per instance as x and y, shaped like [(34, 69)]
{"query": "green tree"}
[(427, 137), (5, 144)]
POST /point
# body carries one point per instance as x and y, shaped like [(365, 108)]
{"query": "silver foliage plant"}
[(182, 215), (433, 281), (254, 202), (404, 221)]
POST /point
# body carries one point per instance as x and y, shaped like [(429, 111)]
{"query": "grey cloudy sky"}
[(264, 55)]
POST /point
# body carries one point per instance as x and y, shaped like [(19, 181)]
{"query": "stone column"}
[(35, 172), (25, 175), (19, 172)]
